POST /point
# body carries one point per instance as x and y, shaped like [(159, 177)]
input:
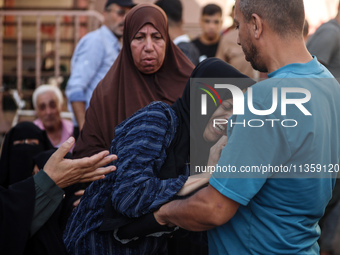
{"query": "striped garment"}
[(140, 143)]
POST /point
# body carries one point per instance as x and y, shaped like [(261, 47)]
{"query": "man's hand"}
[(65, 172), (161, 218), (204, 210)]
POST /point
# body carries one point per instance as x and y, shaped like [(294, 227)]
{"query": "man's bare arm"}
[(204, 210)]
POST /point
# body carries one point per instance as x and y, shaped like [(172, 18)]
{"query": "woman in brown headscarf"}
[(143, 72)]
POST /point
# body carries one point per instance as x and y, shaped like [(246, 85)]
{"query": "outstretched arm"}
[(59, 173), (65, 172)]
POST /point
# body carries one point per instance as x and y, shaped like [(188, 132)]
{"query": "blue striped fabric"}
[(140, 143)]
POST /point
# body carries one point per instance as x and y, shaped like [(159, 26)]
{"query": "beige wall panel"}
[(44, 3)]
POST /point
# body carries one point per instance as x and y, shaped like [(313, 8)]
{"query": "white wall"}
[(319, 11)]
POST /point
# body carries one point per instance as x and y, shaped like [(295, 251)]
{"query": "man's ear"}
[(257, 25)]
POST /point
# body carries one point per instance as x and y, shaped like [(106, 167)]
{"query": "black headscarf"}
[(16, 162), (179, 150)]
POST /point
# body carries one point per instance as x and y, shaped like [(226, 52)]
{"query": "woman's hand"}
[(79, 193), (199, 180), (215, 151), (65, 172)]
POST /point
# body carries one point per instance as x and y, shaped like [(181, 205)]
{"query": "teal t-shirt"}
[(279, 211)]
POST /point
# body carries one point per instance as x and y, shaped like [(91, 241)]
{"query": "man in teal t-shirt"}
[(284, 151), (279, 209)]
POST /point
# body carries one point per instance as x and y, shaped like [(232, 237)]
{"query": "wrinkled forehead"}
[(144, 14), (148, 28), (47, 96)]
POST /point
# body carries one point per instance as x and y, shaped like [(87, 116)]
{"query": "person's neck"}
[(207, 41), (285, 52), (119, 38), (174, 32), (54, 134)]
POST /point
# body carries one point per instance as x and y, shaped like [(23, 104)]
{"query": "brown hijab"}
[(124, 89)]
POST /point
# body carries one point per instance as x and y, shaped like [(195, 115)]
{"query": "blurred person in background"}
[(232, 26), (325, 44), (94, 55), (231, 52), (173, 10), (48, 102), (211, 24), (28, 204), (22, 143)]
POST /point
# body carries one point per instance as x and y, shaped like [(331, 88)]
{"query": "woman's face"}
[(148, 49), (213, 131)]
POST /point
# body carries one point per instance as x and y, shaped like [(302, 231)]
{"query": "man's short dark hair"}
[(211, 9), (172, 8), (285, 17)]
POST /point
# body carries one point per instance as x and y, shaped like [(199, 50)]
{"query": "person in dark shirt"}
[(211, 24), (173, 10)]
